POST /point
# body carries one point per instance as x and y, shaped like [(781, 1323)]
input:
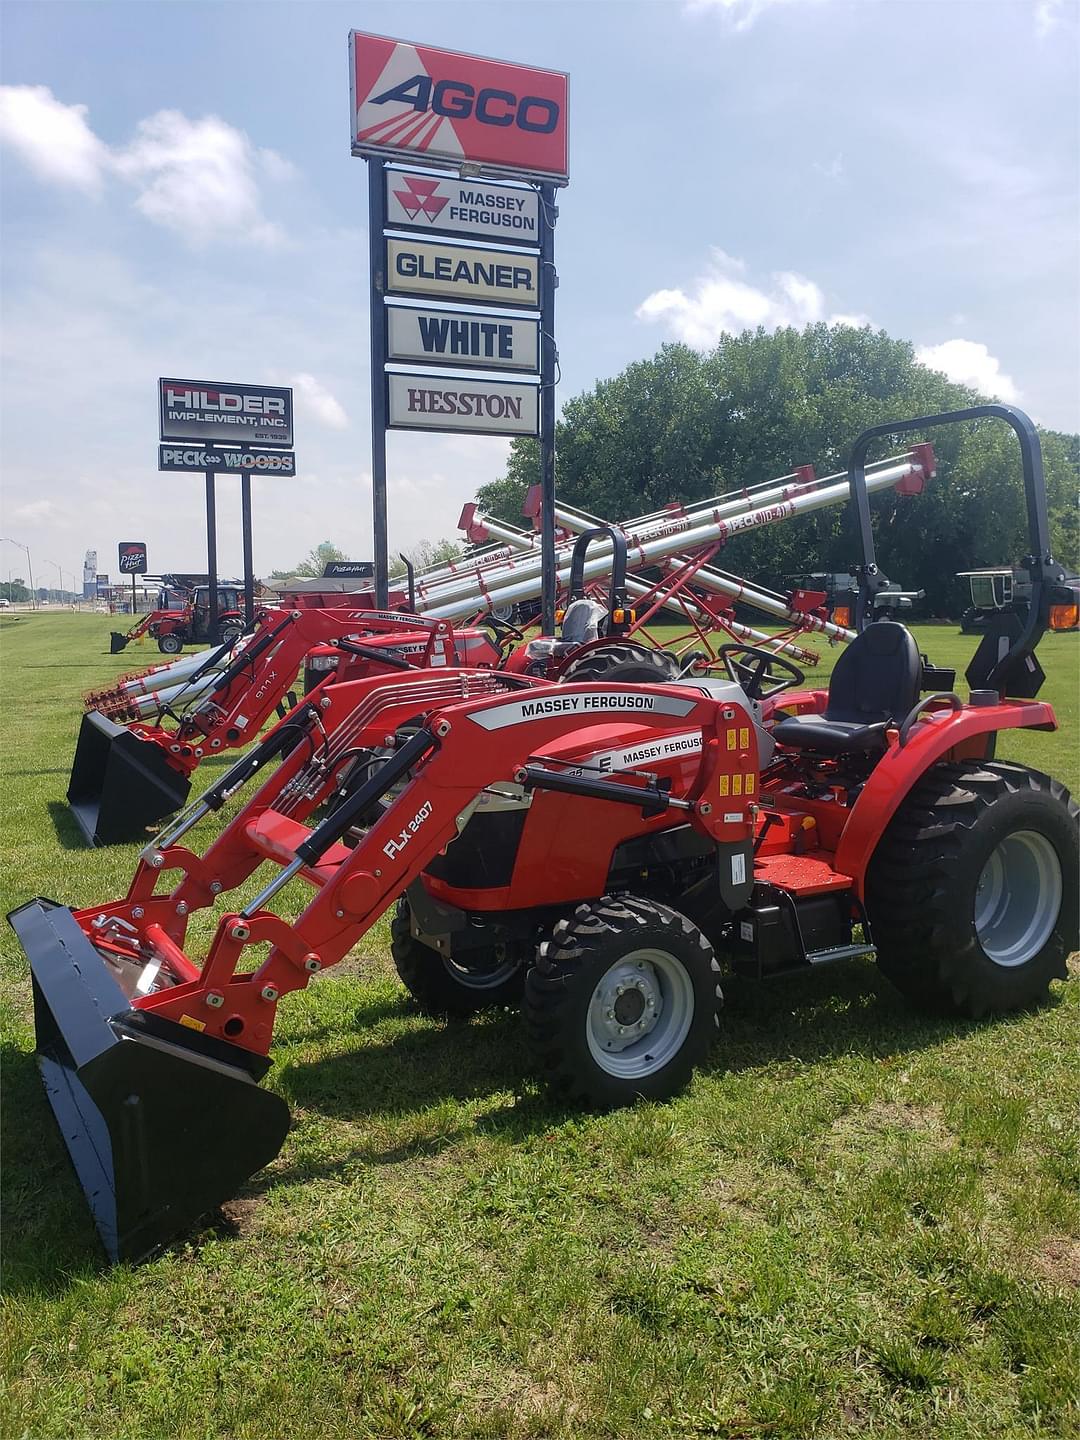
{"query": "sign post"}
[(206, 426), (475, 246)]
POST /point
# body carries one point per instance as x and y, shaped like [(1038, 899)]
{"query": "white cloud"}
[(967, 362), (199, 178), (720, 304), (51, 138), (1048, 15), (315, 401), (833, 171), (738, 14)]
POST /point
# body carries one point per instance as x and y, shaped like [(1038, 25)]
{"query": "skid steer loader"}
[(599, 852)]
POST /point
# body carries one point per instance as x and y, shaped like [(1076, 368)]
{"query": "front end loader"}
[(600, 853), (138, 747)]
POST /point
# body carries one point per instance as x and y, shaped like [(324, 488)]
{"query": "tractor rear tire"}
[(972, 893), (621, 1002), (442, 986), (170, 644), (623, 662)]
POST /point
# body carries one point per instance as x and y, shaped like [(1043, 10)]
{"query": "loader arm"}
[(459, 752)]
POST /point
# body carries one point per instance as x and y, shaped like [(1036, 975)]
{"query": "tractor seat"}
[(875, 684)]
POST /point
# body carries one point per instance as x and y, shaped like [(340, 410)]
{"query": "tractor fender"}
[(901, 767)]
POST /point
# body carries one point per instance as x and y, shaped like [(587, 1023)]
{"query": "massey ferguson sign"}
[(414, 101), (462, 207), (202, 410)]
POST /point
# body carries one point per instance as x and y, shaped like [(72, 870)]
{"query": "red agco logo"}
[(462, 108)]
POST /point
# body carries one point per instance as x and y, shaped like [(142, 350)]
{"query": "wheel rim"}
[(503, 963), (1018, 898), (639, 1014)]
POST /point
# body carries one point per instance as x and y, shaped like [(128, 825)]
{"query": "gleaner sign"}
[(449, 338), (220, 414), (483, 407), (459, 272), (448, 107)]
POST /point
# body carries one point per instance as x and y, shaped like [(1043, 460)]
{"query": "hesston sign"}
[(416, 102)]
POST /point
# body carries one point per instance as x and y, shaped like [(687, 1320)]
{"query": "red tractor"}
[(185, 620), (600, 853)]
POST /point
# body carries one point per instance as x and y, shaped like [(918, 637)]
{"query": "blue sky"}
[(179, 198)]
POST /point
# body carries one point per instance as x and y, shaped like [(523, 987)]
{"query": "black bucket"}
[(162, 1123), (117, 642), (121, 786)]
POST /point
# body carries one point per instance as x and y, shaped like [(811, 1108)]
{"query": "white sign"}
[(483, 407), (462, 207), (441, 337), (459, 272), (580, 702)]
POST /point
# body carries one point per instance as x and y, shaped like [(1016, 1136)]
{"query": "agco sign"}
[(450, 108)]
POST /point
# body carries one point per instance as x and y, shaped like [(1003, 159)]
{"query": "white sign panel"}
[(482, 407), (441, 337), (462, 207), (460, 272)]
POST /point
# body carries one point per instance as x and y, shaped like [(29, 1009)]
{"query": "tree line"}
[(684, 425)]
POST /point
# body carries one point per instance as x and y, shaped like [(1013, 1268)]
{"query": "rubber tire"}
[(170, 644), (922, 880), (229, 634), (437, 990), (623, 662), (569, 966)]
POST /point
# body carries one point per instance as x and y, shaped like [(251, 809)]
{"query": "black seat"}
[(876, 683)]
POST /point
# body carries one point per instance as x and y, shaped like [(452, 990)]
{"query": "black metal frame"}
[(1044, 570)]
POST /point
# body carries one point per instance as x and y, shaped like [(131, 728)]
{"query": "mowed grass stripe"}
[(856, 1221)]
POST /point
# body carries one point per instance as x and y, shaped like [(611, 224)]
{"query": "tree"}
[(683, 426), (315, 563), (15, 591), (426, 554)]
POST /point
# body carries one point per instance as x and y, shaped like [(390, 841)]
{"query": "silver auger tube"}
[(526, 586), (698, 527)]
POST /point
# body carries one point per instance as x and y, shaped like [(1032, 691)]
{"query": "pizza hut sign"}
[(445, 107), (131, 557)]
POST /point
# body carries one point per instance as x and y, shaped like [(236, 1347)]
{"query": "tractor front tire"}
[(972, 892), (484, 979), (621, 1002), (170, 644), (623, 663)]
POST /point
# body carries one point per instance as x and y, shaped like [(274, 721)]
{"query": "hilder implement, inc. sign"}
[(131, 557), (462, 273), (450, 338), (218, 414), (246, 461), (462, 207), (449, 108), (482, 407)]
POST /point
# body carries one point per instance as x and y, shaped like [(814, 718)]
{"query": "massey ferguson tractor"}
[(188, 622), (599, 852)]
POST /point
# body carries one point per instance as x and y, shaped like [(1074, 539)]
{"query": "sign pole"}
[(376, 251), (249, 568), (549, 360), (133, 594), (211, 555)]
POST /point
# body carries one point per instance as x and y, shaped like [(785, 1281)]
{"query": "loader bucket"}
[(117, 642), (162, 1123), (120, 785)]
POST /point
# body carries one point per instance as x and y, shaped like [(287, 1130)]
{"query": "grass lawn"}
[(855, 1222)]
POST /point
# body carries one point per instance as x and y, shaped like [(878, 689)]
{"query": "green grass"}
[(855, 1222)]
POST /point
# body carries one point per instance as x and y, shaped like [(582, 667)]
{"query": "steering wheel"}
[(760, 672), (501, 627)]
